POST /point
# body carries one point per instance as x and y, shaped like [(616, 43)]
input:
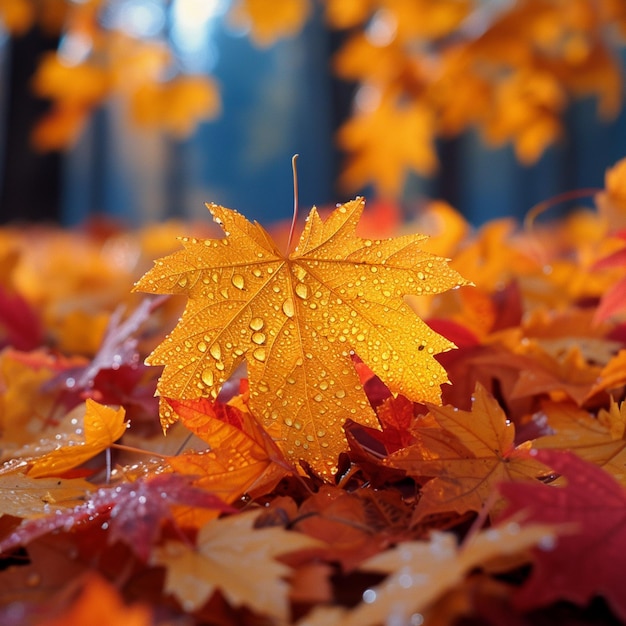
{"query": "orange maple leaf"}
[(100, 604), (465, 474), (297, 320), (241, 456)]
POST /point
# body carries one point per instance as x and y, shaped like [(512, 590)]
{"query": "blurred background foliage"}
[(143, 110)]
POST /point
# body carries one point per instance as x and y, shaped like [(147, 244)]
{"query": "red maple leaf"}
[(591, 560)]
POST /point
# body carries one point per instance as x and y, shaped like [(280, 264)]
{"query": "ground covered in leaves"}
[(502, 501)]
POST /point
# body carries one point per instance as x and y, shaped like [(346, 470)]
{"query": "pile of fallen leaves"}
[(359, 431)]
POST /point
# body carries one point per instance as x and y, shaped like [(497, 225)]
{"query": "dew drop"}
[(207, 377), (258, 338), (288, 308), (369, 596), (259, 354), (238, 281), (302, 291), (182, 281), (318, 397), (216, 351), (201, 346), (256, 323), (340, 393)]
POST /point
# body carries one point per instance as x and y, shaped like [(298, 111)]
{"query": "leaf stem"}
[(545, 205), (294, 169), (120, 446)]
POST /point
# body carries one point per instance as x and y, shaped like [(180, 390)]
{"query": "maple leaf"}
[(377, 146), (421, 571), (588, 562), (466, 471), (599, 440), (236, 558), (241, 456), (79, 439), (297, 320)]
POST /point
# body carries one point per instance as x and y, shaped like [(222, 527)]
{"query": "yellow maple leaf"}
[(268, 20), (78, 438), (234, 557), (297, 320)]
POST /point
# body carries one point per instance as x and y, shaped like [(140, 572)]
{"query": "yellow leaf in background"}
[(17, 16), (238, 560), (526, 110), (348, 13), (360, 59), (612, 201), (28, 401), (385, 143), (76, 440), (80, 332), (424, 18), (297, 320), (60, 128), (176, 106), (268, 20), (81, 84)]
